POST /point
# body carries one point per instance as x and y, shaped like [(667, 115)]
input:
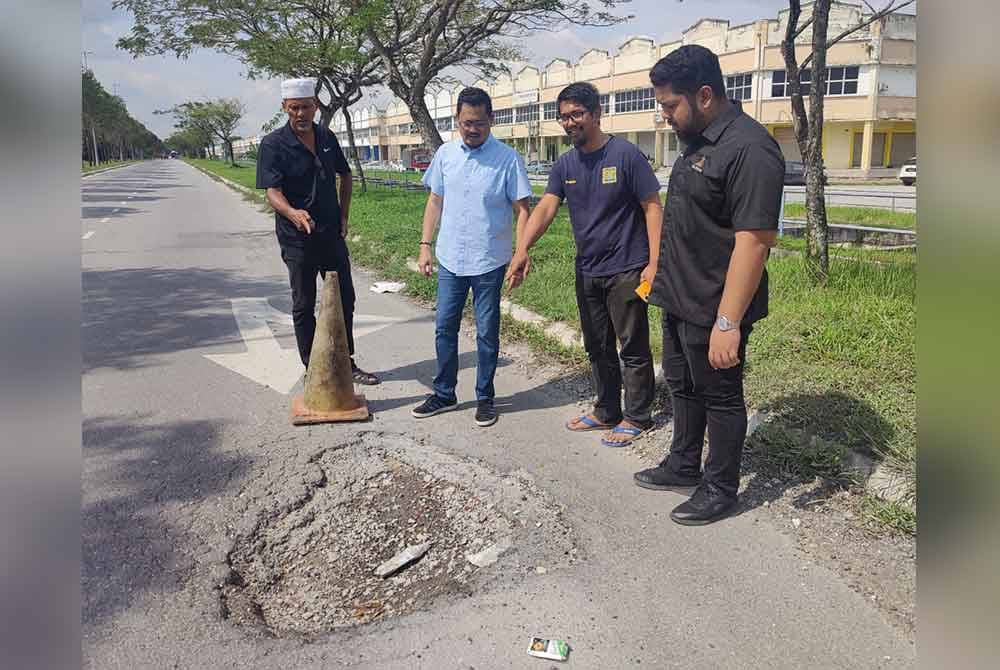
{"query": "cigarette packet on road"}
[(643, 290), (554, 650)]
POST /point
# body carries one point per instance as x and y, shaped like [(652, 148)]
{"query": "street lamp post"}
[(533, 132)]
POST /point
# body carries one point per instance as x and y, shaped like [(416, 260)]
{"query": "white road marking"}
[(265, 361), (124, 203), (105, 219), (88, 234)]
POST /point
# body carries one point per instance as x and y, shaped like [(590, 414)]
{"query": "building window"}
[(412, 129), (739, 87), (550, 110), (503, 117), (636, 100), (527, 113), (842, 80), (606, 103), (839, 81), (394, 130), (444, 123)]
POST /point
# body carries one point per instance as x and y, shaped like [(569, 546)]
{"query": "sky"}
[(153, 83)]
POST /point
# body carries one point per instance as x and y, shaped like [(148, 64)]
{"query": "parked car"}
[(908, 173), (795, 174), (539, 167)]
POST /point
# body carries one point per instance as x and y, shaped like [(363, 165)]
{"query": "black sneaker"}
[(486, 413), (662, 478), (708, 504), (362, 377), (433, 405)]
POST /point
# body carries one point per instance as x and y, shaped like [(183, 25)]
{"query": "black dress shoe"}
[(662, 478), (708, 504)]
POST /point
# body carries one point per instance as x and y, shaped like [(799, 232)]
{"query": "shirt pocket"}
[(707, 191)]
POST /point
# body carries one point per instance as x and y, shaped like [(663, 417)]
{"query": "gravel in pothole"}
[(309, 566)]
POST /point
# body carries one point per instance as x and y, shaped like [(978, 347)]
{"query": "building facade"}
[(870, 105)]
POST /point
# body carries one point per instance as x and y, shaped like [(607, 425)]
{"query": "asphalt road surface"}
[(187, 360)]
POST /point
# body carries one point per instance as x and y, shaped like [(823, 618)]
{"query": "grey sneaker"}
[(433, 405)]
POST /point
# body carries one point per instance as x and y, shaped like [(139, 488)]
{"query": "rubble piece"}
[(490, 554), (402, 559)]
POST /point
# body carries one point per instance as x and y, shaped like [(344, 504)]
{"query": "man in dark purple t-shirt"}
[(615, 212)]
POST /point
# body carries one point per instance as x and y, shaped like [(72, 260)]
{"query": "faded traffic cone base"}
[(329, 395)]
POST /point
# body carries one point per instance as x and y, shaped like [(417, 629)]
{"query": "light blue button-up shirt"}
[(479, 186)]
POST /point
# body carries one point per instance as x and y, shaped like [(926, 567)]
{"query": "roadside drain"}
[(309, 565)]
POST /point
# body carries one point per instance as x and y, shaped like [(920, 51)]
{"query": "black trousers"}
[(703, 397), (303, 266), (610, 310)]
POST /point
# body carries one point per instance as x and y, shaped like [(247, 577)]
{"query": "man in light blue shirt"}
[(474, 181)]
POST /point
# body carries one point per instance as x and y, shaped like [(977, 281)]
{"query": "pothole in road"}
[(308, 566)]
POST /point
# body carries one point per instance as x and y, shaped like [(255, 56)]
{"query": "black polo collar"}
[(291, 140), (714, 130)]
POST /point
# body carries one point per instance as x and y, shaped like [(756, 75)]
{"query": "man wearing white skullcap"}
[(297, 165)]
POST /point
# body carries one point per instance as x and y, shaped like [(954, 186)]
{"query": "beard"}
[(692, 129), (578, 138)]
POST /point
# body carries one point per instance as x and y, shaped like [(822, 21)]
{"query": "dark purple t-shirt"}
[(604, 190)]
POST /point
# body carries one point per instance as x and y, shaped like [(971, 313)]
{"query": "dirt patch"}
[(307, 565)]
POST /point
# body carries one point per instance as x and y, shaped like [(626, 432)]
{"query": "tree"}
[(317, 38), (214, 119), (808, 124), (108, 129), (417, 40)]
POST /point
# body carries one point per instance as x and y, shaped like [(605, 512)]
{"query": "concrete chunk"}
[(402, 559)]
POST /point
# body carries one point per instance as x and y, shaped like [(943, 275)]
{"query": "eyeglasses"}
[(577, 115)]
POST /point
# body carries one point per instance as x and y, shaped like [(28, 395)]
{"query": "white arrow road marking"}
[(88, 234), (265, 361)]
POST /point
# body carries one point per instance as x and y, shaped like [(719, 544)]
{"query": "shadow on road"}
[(130, 314), (137, 469)]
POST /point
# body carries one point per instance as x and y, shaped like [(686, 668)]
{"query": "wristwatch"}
[(725, 324)]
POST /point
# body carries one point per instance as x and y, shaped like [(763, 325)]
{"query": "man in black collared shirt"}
[(719, 223), (298, 165)]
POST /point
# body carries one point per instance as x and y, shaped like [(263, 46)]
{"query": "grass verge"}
[(87, 168), (858, 216), (834, 367)]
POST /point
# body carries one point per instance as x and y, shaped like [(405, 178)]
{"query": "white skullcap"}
[(298, 88)]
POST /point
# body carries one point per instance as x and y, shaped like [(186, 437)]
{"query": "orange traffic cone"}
[(329, 395)]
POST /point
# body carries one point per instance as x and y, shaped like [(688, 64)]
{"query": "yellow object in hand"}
[(643, 289)]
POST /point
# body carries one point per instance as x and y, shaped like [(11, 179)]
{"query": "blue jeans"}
[(451, 294)]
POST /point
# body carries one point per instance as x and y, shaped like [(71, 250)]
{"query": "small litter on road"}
[(387, 287), (554, 650), (403, 558)]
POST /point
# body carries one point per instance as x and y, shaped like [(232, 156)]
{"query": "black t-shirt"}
[(729, 179), (604, 189), (307, 181)]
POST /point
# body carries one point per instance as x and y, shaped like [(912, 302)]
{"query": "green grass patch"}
[(858, 216), (87, 168)]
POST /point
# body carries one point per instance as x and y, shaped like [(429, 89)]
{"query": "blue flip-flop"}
[(589, 423), (622, 430)]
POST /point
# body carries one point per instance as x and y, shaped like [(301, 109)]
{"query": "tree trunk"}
[(817, 231), (354, 149), (93, 137), (232, 153), (425, 122)]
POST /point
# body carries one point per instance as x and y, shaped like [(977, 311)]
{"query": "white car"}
[(908, 173)]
